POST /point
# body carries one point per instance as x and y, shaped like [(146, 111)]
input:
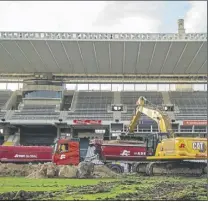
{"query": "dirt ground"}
[(49, 170), (120, 187), (128, 188)]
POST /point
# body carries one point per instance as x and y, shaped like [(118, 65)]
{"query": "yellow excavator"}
[(173, 155)]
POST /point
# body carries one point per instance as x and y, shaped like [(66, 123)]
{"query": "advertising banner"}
[(195, 122), (87, 122)]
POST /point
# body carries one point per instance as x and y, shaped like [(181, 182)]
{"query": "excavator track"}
[(171, 168)]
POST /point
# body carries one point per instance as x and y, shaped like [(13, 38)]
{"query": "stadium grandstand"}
[(86, 84)]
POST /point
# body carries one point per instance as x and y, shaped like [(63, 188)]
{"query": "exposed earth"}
[(50, 170), (128, 188), (50, 182)]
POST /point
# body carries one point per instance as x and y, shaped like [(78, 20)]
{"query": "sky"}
[(103, 16)]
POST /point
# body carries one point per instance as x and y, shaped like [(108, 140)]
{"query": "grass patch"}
[(132, 188), (8, 184)]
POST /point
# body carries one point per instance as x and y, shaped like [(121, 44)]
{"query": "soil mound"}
[(50, 170), (101, 171)]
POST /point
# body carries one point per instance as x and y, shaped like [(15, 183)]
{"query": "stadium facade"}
[(87, 84)]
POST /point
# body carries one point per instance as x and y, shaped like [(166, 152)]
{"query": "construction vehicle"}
[(155, 154), (25, 154), (185, 154)]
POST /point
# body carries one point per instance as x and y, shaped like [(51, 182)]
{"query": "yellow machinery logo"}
[(201, 146)]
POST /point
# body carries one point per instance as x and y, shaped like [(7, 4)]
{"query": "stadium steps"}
[(11, 101), (166, 98), (117, 100), (117, 97), (18, 100), (63, 115), (74, 101), (4, 97), (12, 140), (8, 143), (9, 114)]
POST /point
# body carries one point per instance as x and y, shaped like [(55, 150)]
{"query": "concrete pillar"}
[(58, 132)]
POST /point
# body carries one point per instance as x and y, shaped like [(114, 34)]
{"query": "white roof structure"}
[(103, 55)]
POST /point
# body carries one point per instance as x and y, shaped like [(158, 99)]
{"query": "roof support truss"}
[(131, 79)]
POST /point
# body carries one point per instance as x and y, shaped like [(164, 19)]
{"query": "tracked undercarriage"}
[(170, 168)]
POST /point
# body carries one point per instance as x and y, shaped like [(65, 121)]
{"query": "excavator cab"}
[(152, 141)]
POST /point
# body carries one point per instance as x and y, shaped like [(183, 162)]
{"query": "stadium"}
[(66, 98), (86, 85)]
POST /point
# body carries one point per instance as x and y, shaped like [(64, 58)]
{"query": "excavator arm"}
[(145, 107)]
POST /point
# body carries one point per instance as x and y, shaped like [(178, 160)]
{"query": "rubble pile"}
[(67, 172), (50, 170), (10, 169), (101, 171)]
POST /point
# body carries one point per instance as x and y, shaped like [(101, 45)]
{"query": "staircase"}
[(9, 114), (19, 100), (166, 100), (63, 115), (11, 102), (12, 140), (117, 100), (74, 101)]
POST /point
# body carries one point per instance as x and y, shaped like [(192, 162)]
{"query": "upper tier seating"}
[(192, 105), (36, 112), (92, 105), (4, 97), (2, 115), (130, 98)]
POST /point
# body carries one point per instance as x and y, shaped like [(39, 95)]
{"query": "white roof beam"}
[(51, 52), (109, 55), (13, 58), (201, 66), (124, 57), (45, 66), (82, 59), (138, 55), (23, 53), (184, 49), (194, 58), (96, 60), (68, 58), (166, 57), (153, 53)]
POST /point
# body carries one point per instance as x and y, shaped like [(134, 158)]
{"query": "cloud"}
[(196, 17), (49, 16), (131, 16), (101, 16), (78, 16)]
